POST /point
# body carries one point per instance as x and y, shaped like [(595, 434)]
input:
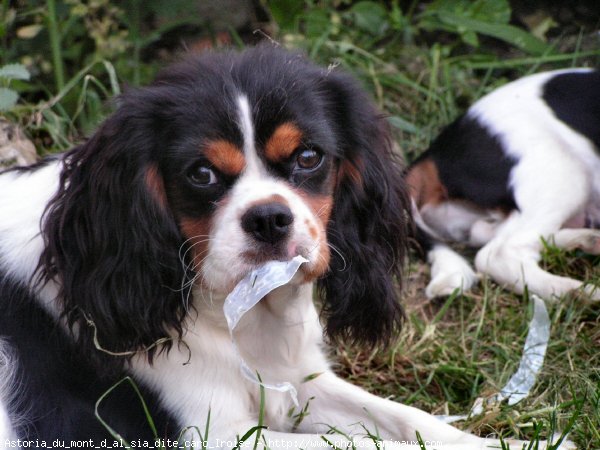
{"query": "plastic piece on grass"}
[(247, 293), (520, 384), (522, 381)]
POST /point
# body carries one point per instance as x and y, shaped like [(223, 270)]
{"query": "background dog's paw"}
[(445, 284), (449, 272), (584, 239), (592, 292), (591, 242)]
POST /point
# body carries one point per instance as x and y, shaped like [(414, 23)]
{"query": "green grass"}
[(455, 350)]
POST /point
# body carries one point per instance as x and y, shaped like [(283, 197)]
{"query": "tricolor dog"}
[(520, 167)]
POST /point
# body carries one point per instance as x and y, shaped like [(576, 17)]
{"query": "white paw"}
[(584, 239), (592, 292), (591, 243), (449, 272), (445, 284), (554, 287)]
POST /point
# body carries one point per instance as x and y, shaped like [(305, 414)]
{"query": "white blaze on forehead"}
[(253, 163)]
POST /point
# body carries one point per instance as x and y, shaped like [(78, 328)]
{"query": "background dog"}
[(520, 166)]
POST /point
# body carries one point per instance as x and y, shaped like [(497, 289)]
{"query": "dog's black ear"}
[(111, 241), (369, 223)]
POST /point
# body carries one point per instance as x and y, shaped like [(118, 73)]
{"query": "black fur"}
[(575, 99), (369, 226), (465, 153), (54, 375), (113, 247)]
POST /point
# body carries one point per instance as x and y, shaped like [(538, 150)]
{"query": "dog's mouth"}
[(282, 252), (256, 257)]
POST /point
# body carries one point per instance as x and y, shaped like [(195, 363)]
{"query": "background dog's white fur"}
[(555, 184)]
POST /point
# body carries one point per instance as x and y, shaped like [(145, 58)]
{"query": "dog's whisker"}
[(332, 247)]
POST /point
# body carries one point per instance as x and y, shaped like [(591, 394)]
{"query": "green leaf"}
[(507, 33), (14, 72), (247, 435), (495, 11), (403, 125), (311, 377), (286, 13), (439, 15), (469, 37), (316, 23), (370, 17), (170, 10), (8, 98)]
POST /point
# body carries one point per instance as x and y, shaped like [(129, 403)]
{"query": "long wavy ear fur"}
[(369, 225), (112, 244)]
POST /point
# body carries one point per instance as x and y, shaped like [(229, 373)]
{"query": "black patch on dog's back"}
[(472, 164), (56, 387), (575, 99)]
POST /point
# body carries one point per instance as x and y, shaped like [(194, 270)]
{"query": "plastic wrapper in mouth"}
[(247, 293)]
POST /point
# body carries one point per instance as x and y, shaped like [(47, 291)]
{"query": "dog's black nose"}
[(268, 223)]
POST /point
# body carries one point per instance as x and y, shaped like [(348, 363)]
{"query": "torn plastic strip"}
[(246, 294), (523, 380)]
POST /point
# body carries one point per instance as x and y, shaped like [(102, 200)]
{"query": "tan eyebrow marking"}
[(225, 156), (283, 142)]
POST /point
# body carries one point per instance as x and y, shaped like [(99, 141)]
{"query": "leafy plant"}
[(486, 17), (9, 73)]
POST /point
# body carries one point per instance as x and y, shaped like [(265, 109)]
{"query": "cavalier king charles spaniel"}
[(520, 167), (116, 258)]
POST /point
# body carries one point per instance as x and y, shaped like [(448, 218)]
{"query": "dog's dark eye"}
[(202, 176), (308, 159)]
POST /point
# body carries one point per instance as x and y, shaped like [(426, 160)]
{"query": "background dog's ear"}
[(369, 224), (112, 242)]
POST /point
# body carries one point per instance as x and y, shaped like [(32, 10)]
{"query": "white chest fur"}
[(280, 338)]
